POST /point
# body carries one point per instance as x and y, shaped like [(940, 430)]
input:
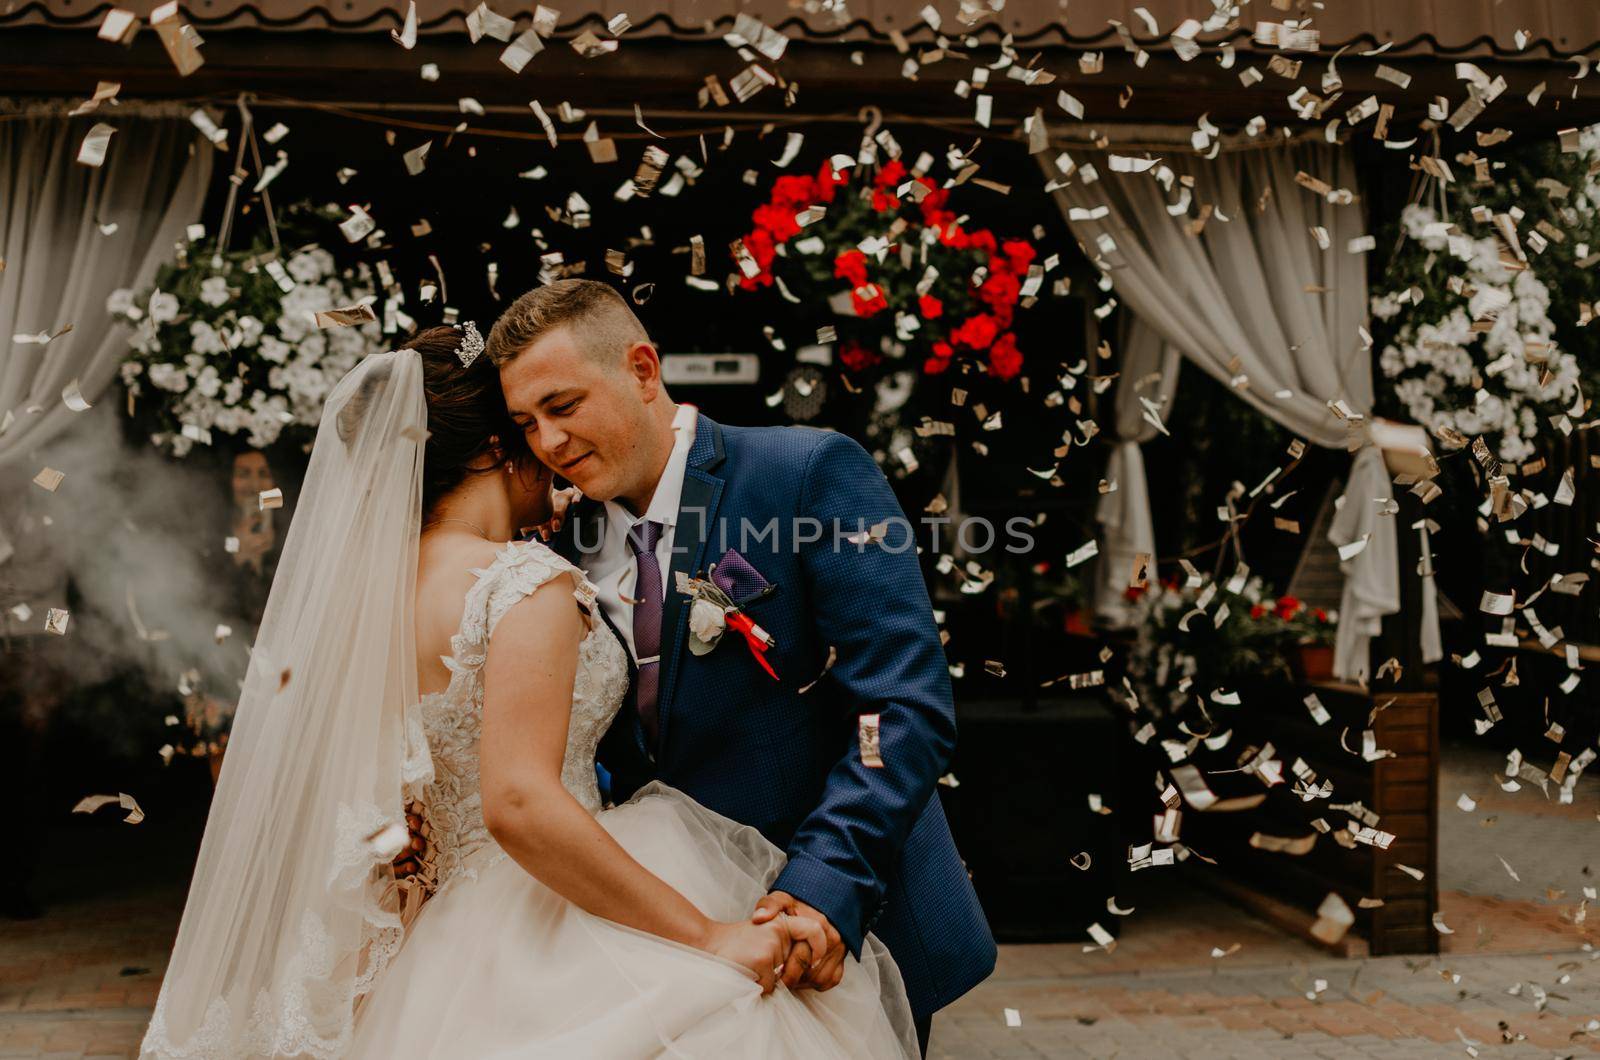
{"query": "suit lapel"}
[(697, 514), (581, 536)]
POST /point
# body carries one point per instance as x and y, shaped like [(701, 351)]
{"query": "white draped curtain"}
[(1257, 303), (1149, 373), (62, 259)]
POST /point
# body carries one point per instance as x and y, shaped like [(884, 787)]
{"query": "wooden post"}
[(1406, 787)]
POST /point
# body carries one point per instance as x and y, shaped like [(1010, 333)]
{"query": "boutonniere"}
[(712, 613)]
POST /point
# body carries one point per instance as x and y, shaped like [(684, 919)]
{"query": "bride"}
[(411, 648)]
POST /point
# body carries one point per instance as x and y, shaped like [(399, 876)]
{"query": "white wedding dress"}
[(498, 965)]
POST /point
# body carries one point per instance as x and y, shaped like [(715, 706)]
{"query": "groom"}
[(751, 721)]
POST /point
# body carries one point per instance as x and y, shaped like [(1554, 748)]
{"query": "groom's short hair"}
[(600, 318)]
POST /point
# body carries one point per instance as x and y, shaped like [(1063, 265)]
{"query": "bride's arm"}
[(528, 679)]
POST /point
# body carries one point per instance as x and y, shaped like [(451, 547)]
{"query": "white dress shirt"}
[(613, 569)]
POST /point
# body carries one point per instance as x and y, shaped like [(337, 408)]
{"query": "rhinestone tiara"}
[(471, 344)]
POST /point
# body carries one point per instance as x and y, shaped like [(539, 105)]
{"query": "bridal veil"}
[(293, 910)]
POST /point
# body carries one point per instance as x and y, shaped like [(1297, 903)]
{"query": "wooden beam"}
[(668, 74)]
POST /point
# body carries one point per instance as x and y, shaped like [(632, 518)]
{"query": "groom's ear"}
[(643, 363)]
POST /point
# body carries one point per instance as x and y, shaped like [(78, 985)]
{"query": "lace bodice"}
[(452, 719)]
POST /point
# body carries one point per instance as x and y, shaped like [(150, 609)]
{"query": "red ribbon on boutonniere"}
[(711, 613), (757, 638)]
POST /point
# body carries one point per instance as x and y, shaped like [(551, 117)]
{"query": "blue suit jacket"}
[(869, 847)]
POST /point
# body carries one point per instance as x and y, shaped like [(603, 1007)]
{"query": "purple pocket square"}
[(734, 576)]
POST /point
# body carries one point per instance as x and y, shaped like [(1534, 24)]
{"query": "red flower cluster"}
[(774, 220), (985, 331), (1286, 608)]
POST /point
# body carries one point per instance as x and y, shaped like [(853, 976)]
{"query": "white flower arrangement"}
[(1479, 356), (221, 345)]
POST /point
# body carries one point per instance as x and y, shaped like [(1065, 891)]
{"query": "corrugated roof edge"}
[(857, 31)]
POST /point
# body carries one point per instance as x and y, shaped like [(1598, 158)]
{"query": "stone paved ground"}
[(1515, 980)]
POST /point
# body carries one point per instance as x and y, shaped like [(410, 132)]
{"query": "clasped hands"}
[(785, 941)]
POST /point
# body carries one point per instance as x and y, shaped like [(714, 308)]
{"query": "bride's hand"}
[(763, 948), (560, 502)]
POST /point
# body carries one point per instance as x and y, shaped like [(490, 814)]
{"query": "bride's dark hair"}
[(467, 415)]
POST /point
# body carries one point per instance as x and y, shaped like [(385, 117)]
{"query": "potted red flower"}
[(910, 283), (1312, 633)]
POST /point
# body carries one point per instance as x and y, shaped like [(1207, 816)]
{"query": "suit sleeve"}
[(872, 606)]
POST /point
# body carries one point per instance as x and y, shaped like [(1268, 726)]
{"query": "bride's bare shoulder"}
[(447, 566), (449, 563)]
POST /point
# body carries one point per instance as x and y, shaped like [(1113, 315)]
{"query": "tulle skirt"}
[(501, 966)]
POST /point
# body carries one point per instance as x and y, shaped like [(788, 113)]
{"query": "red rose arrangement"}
[(1305, 624), (921, 284)]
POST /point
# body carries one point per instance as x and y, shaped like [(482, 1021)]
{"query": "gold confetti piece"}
[(590, 46), (1334, 920), (876, 532), (1102, 938), (602, 150), (272, 498), (103, 91), (1081, 860), (356, 227), (867, 738), (49, 478), (1296, 845), (1013, 1016), (92, 152), (482, 22), (406, 36), (1440, 926), (92, 803), (832, 657), (347, 317), (1494, 603), (55, 621), (544, 120), (416, 159), (180, 39), (519, 52), (119, 26)]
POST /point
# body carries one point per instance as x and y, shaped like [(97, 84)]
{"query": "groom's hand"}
[(804, 968)]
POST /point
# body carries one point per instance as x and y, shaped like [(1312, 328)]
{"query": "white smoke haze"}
[(128, 523)]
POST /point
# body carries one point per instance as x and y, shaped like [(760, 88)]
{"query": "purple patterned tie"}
[(647, 622)]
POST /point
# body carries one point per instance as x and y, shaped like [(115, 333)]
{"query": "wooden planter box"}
[(1401, 790)]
